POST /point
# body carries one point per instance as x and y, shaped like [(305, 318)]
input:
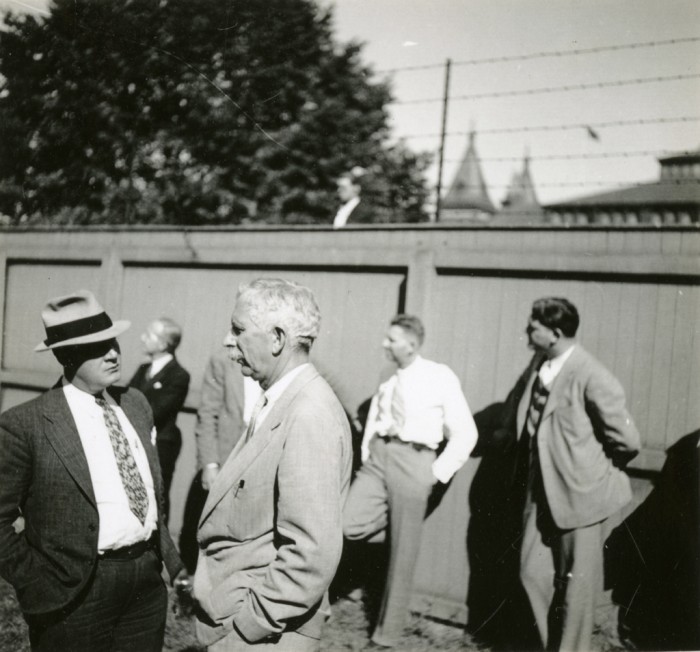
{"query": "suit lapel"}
[(561, 382), (524, 402), (63, 436), (244, 454), (163, 372)]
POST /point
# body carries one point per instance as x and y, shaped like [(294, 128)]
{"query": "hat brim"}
[(117, 328)]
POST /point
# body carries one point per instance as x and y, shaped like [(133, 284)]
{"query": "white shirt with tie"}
[(435, 409), (119, 526)]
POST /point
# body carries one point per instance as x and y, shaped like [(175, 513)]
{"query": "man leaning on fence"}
[(574, 435), (78, 464), (411, 414)]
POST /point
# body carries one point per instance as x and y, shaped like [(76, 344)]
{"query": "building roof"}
[(521, 192), (468, 189), (681, 157), (667, 193)]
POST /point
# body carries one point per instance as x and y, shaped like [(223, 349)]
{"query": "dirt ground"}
[(347, 631)]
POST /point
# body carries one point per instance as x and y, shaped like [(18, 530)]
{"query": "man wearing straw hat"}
[(78, 464)]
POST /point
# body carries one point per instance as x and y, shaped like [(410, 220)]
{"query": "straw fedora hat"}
[(77, 319)]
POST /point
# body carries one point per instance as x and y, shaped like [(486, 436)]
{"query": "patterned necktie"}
[(398, 407), (538, 398), (262, 402), (131, 477)]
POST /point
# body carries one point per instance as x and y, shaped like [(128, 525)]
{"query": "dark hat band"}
[(77, 328)]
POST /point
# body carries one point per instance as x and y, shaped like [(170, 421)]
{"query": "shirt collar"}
[(551, 368), (158, 364), (77, 394), (275, 391), (407, 370)]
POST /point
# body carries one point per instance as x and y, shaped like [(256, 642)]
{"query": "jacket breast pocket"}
[(252, 510)]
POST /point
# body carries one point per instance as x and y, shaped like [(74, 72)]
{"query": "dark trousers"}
[(123, 609), (168, 450), (196, 498)]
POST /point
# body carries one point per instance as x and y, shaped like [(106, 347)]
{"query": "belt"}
[(134, 551), (412, 444)]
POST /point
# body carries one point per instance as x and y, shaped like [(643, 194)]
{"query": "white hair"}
[(278, 302)]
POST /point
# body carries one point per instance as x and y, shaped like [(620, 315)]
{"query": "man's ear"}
[(557, 333), (279, 340)]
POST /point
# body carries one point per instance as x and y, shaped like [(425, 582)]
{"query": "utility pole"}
[(445, 102)]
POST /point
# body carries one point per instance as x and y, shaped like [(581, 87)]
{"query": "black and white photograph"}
[(345, 325)]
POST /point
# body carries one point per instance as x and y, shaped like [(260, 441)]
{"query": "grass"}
[(347, 631)]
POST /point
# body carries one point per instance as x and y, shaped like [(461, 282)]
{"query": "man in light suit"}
[(78, 464), (164, 383), (574, 436), (270, 535)]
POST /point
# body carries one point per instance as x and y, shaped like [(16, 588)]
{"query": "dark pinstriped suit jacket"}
[(44, 474)]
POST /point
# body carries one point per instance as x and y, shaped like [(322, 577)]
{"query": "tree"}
[(190, 112)]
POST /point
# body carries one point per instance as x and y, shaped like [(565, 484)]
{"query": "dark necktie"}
[(538, 398), (526, 449), (262, 402), (128, 471)]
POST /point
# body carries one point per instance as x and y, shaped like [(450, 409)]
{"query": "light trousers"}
[(390, 493), (562, 573)]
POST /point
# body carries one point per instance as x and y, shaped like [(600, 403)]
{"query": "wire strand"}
[(564, 127), (546, 54), (568, 157), (554, 89)]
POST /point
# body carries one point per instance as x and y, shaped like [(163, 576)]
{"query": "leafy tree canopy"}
[(191, 112)]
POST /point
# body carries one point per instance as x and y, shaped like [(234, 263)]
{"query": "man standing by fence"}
[(408, 419), (164, 383), (79, 465), (574, 434)]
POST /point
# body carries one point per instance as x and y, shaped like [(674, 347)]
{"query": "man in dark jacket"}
[(79, 466), (164, 383)]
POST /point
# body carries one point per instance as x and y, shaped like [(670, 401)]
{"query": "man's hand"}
[(208, 476)]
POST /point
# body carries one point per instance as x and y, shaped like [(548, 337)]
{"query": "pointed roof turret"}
[(521, 193), (468, 191)]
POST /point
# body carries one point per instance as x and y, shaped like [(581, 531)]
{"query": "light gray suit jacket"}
[(585, 437), (270, 533), (220, 415)]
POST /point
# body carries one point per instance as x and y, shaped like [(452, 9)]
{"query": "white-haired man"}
[(270, 534), (164, 383)]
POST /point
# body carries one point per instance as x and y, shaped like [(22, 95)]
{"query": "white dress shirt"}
[(158, 364), (119, 526), (341, 217), (251, 394), (274, 392), (435, 408), (550, 368)]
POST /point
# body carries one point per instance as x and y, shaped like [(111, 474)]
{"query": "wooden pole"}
[(445, 102)]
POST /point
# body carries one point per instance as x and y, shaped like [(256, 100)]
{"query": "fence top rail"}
[(267, 228)]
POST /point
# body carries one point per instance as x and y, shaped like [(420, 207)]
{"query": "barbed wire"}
[(563, 127), (546, 54), (638, 81), (584, 184), (568, 157)]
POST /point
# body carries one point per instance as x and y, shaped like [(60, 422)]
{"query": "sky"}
[(565, 163), (405, 33)]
